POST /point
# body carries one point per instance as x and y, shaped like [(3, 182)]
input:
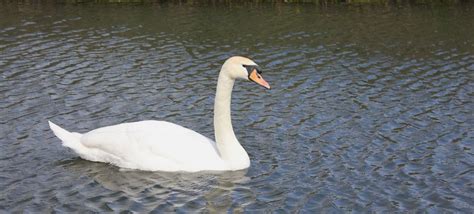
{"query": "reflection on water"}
[(143, 191), (370, 110)]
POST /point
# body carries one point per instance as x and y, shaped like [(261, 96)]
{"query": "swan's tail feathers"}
[(69, 139)]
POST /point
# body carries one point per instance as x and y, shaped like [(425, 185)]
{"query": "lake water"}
[(371, 107)]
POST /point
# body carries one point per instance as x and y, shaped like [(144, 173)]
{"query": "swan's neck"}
[(229, 147)]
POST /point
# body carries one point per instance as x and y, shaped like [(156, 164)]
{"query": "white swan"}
[(163, 146)]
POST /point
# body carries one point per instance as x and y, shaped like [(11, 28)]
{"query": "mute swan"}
[(163, 146)]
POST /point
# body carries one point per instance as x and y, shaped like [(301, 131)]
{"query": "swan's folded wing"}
[(151, 142)]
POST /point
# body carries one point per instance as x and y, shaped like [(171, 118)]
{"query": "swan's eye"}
[(250, 68)]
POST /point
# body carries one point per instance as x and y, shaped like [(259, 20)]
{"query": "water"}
[(371, 107)]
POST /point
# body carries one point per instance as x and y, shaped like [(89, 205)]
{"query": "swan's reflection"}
[(210, 188)]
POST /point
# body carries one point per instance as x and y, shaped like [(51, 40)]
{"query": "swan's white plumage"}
[(163, 146), (146, 145)]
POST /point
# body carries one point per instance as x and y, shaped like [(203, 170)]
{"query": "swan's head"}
[(238, 67)]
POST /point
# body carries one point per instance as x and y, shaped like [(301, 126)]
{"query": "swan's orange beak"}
[(257, 78)]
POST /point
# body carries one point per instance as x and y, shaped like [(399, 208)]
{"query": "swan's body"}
[(146, 145), (163, 146)]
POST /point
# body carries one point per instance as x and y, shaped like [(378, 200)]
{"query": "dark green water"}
[(371, 107)]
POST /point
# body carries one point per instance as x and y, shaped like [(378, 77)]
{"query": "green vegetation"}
[(275, 1)]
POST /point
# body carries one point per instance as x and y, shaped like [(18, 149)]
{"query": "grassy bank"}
[(323, 2)]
